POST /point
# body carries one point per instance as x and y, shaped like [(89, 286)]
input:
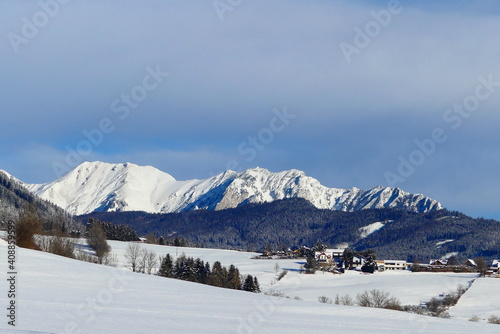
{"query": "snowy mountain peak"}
[(99, 186)]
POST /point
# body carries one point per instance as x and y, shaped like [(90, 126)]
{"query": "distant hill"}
[(14, 198), (391, 233), (104, 187)]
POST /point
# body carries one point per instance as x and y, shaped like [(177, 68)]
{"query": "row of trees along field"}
[(196, 270)]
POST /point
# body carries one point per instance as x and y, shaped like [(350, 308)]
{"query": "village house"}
[(357, 262), (330, 255), (392, 265), (323, 257), (470, 263), (494, 268), (438, 263)]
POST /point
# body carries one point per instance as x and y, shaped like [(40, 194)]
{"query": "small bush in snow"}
[(282, 274), (378, 299), (344, 300), (324, 300), (494, 320), (275, 293), (413, 309)]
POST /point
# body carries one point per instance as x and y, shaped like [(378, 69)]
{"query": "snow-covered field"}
[(481, 300), (410, 288), (60, 295)]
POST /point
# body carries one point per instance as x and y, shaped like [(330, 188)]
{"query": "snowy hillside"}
[(424, 285), (78, 297), (98, 186), (13, 195), (480, 300)]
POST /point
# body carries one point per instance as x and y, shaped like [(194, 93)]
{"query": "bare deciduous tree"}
[(481, 266), (150, 262), (133, 256)]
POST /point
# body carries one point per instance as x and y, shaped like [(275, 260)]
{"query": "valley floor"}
[(60, 295)]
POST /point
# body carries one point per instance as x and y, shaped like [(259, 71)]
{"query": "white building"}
[(392, 265), (329, 255)]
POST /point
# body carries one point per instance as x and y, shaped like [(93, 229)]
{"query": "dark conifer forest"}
[(295, 222)]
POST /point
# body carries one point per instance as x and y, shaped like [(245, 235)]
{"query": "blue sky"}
[(371, 97)]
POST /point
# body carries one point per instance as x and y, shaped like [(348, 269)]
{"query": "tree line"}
[(295, 222), (199, 271)]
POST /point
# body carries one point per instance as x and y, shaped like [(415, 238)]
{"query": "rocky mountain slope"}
[(104, 187)]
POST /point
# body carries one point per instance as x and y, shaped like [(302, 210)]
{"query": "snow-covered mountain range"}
[(98, 186)]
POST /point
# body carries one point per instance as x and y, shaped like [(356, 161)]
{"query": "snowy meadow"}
[(61, 295)]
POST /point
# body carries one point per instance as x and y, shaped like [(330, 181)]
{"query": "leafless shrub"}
[(474, 318), (438, 306), (378, 299), (84, 256), (275, 293), (44, 242), (494, 320), (62, 246), (27, 226), (56, 244), (282, 274), (324, 300), (344, 300), (110, 259), (413, 309)]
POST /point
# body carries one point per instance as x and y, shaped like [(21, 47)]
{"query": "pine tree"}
[(311, 264), (201, 271), (217, 275), (256, 285), (161, 241), (190, 270), (183, 268), (224, 277), (369, 266), (166, 267), (251, 284), (208, 273), (452, 261), (319, 247), (347, 257), (248, 285), (233, 278)]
